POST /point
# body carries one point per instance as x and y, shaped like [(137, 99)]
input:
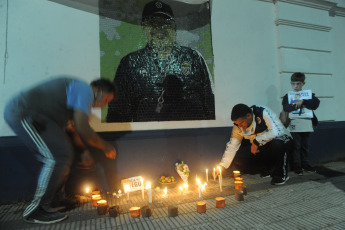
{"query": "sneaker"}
[(66, 204), (279, 180), (308, 168), (265, 174), (299, 171), (41, 216)]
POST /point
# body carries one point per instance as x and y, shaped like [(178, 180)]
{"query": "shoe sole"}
[(34, 221), (281, 183)]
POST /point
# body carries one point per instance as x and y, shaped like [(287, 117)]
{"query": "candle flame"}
[(198, 181), (165, 190), (181, 188), (87, 190), (148, 185), (185, 185), (220, 170), (126, 188), (119, 191)]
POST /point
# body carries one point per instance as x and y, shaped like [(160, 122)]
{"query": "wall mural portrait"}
[(163, 74)]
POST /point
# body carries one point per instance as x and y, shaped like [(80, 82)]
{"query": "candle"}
[(206, 175), (201, 207), (220, 179), (95, 198), (238, 184), (148, 186), (185, 185), (181, 188), (135, 212), (199, 184), (214, 174), (142, 188), (165, 192), (236, 173), (87, 190), (127, 191), (102, 207)]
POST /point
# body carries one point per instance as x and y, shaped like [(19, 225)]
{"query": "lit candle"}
[(87, 190), (236, 173), (220, 179), (214, 174), (165, 192), (206, 175), (185, 185), (95, 198), (148, 186), (127, 191), (181, 188), (199, 184), (142, 188)]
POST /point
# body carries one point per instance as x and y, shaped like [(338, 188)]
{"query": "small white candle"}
[(199, 184), (220, 179), (148, 186), (214, 174), (185, 185), (127, 191), (206, 175), (142, 188), (165, 192), (181, 188)]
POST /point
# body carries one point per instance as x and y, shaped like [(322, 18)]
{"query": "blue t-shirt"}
[(79, 96)]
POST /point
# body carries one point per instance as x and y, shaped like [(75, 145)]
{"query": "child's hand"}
[(298, 104)]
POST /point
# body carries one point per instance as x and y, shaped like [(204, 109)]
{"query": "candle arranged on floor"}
[(239, 195), (135, 212), (142, 188), (127, 188), (199, 187), (214, 174), (102, 207), (236, 173), (148, 187), (114, 211), (206, 175), (238, 184), (201, 207), (220, 202), (146, 211), (165, 194), (181, 189), (95, 198), (220, 179), (185, 185), (172, 210)]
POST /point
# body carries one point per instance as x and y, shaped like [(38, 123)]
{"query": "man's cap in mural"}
[(156, 8)]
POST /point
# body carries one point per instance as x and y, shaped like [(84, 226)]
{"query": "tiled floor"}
[(312, 201)]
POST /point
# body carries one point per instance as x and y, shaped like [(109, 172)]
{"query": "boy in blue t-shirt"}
[(300, 128)]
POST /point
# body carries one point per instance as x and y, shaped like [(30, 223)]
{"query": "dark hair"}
[(240, 110), (105, 85), (298, 76)]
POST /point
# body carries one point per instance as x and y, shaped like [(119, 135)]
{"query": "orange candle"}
[(238, 184), (95, 198), (102, 207), (135, 212), (236, 173)]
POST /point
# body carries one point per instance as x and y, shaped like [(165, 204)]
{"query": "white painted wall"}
[(43, 39)]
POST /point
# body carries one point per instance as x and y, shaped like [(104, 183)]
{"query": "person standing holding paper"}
[(300, 125)]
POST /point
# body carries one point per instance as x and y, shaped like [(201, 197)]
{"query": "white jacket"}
[(265, 127)]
